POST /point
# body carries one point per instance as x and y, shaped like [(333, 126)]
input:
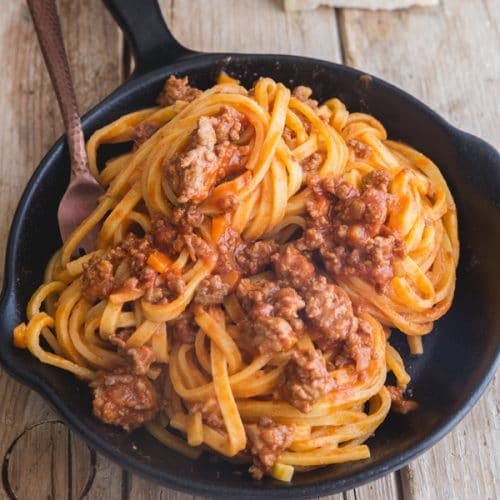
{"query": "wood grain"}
[(141, 489), (43, 447), (448, 57), (384, 488), (31, 123), (232, 26)]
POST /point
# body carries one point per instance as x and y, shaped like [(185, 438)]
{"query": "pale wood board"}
[(389, 46), (356, 4), (232, 26), (448, 56)]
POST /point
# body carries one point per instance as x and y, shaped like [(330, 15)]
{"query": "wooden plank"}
[(141, 489), (61, 464), (445, 55), (229, 26), (448, 57), (109, 481), (39, 452), (386, 488)]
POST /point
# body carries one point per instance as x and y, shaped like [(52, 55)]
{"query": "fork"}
[(83, 191)]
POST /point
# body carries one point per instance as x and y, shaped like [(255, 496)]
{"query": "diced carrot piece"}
[(219, 226), (229, 188), (18, 337), (159, 261), (225, 78), (231, 278)]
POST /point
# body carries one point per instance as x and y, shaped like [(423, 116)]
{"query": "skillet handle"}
[(142, 23)]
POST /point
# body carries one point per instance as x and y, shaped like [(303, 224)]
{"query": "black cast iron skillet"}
[(461, 354)]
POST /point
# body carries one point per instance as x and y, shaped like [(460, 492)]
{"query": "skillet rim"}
[(8, 299)]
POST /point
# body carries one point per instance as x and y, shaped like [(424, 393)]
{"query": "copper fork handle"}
[(48, 30)]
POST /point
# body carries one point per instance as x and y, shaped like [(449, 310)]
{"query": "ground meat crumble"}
[(254, 257), (329, 310), (169, 236), (361, 150), (303, 94), (272, 319), (193, 173), (184, 328), (140, 358), (211, 291), (266, 441), (214, 152), (328, 313), (210, 413), (399, 403), (143, 132), (177, 89), (124, 399), (348, 229), (301, 300), (306, 379), (99, 279)]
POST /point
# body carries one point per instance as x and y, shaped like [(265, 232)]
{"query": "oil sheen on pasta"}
[(254, 251)]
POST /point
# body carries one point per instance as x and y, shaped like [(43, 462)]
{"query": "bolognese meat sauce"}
[(177, 89), (348, 228), (296, 294), (266, 441), (214, 153), (125, 399)]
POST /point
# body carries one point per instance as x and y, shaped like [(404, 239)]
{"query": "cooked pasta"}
[(254, 250)]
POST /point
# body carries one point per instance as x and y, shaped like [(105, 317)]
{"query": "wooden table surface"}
[(448, 56)]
